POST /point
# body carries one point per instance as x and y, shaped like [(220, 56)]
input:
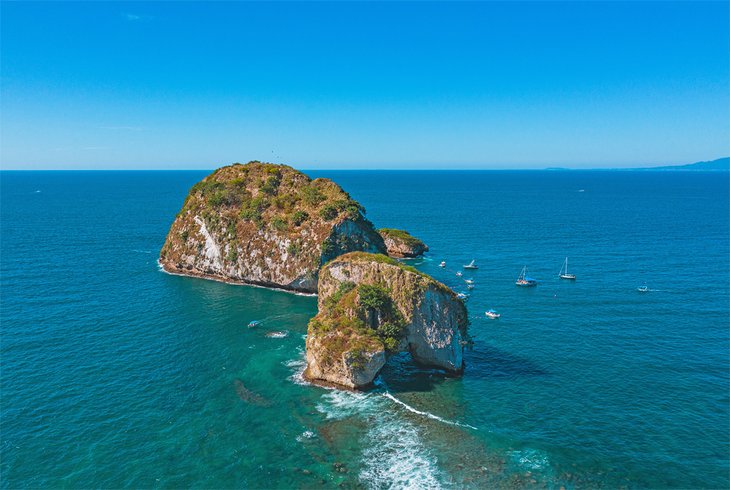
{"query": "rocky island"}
[(371, 306), (266, 225), (402, 244), (271, 225)]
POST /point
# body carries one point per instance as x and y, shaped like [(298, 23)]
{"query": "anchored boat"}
[(471, 265), (492, 314), (524, 281), (564, 272)]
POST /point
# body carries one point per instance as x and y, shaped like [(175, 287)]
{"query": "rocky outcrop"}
[(401, 243), (371, 306), (266, 225)]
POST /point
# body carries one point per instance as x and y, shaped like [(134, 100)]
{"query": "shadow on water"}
[(488, 362), (401, 373)]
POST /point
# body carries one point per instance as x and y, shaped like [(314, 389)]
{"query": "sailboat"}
[(524, 281), (564, 271), (471, 265)]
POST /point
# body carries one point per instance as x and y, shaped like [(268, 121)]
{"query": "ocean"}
[(115, 374)]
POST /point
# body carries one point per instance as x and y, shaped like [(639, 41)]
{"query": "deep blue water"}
[(115, 374)]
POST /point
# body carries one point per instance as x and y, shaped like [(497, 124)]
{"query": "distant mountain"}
[(721, 164)]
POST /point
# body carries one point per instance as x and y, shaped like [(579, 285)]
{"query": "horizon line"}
[(668, 168)]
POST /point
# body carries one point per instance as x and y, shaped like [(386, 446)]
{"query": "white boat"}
[(470, 286), (442, 264), (254, 323), (469, 281), (524, 281), (462, 296), (492, 314), (458, 274), (471, 265), (564, 271), (643, 289)]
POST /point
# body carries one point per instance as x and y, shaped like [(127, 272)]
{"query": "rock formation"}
[(267, 225), (401, 243), (273, 226), (371, 306)]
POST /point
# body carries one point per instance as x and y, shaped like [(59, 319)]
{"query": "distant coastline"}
[(718, 165)]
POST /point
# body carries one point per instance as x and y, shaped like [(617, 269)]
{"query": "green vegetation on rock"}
[(284, 225), (401, 235)]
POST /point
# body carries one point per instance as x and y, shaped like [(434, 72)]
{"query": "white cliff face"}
[(434, 336), (435, 320), (210, 256)]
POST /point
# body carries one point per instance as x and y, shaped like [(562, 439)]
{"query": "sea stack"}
[(372, 306), (402, 244), (267, 225)]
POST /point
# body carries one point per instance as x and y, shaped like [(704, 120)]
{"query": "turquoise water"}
[(115, 374)]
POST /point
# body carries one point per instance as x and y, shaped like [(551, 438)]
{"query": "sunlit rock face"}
[(371, 306), (266, 225)]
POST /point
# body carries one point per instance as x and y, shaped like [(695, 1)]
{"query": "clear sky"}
[(185, 85)]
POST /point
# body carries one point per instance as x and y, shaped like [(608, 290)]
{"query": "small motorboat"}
[(471, 265), (643, 289), (459, 274), (462, 296), (492, 314), (524, 281), (469, 281), (254, 323), (470, 286), (442, 264)]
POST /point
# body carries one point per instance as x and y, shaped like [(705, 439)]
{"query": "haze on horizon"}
[(193, 85)]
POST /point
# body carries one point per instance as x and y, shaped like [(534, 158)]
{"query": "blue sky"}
[(169, 85)]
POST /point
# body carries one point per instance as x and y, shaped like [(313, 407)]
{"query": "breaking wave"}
[(394, 455)]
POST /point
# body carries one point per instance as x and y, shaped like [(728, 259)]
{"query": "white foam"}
[(531, 459), (338, 404), (426, 414), (395, 457), (379, 382), (307, 434), (298, 366)]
